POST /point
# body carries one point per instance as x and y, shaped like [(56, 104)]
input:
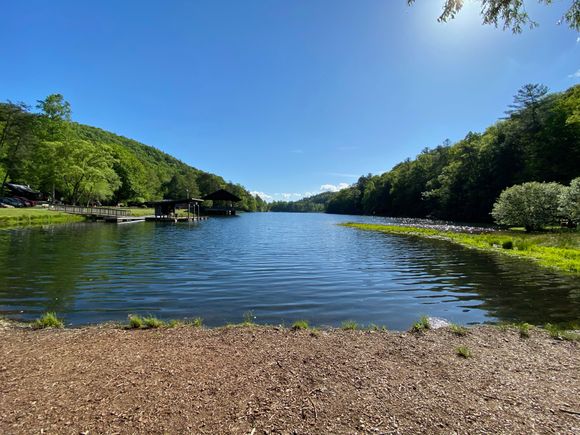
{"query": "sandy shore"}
[(258, 380)]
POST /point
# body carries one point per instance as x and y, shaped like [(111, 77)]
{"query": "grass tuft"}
[(458, 330), (463, 351), (196, 322), (135, 321), (561, 334), (349, 325), (48, 320), (249, 319), (152, 322), (524, 329), (300, 325), (421, 325)]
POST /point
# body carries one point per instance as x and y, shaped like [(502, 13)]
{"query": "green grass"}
[(196, 322), (16, 217), (557, 249), (141, 211), (135, 322), (463, 351), (349, 325), (524, 329), (249, 319), (458, 330), (48, 320), (421, 325), (152, 322), (561, 334), (300, 325)]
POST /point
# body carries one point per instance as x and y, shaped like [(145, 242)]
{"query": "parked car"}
[(13, 202), (27, 202)]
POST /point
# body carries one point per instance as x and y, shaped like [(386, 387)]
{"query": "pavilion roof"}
[(222, 195)]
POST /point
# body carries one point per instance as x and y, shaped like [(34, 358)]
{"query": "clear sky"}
[(285, 97)]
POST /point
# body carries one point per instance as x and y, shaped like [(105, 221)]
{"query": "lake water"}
[(280, 266)]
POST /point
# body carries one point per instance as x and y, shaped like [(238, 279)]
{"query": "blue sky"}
[(285, 97)]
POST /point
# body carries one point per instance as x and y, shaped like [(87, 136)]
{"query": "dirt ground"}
[(262, 380)]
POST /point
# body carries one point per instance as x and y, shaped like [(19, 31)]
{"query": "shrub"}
[(463, 351), (531, 205), (48, 320), (569, 201), (421, 325), (300, 324), (524, 329), (135, 322), (152, 322)]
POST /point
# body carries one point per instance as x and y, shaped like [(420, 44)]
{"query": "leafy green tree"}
[(509, 14), (531, 205), (55, 108), (182, 185), (569, 201)]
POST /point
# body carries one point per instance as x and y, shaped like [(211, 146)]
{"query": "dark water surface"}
[(281, 266)]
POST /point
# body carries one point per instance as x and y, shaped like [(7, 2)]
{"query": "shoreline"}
[(260, 379), (531, 247)]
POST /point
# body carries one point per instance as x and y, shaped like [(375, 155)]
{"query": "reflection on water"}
[(281, 266)]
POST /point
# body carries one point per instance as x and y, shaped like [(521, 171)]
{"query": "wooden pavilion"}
[(166, 209), (225, 203)]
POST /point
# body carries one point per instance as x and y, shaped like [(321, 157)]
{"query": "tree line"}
[(80, 164), (538, 140)]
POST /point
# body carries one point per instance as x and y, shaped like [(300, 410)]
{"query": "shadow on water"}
[(281, 266)]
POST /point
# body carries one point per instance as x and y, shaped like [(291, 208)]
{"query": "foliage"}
[(539, 141), (349, 325), (463, 351), (559, 250), (561, 334), (524, 329), (135, 321), (532, 205), (421, 325), (48, 320), (300, 324), (458, 330), (509, 14), (569, 201), (316, 203), (80, 164)]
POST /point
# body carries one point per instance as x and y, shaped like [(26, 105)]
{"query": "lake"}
[(280, 266)]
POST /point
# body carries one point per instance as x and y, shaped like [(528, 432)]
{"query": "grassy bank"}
[(557, 250), (16, 217)]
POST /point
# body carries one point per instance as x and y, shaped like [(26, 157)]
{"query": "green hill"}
[(539, 140), (83, 164)]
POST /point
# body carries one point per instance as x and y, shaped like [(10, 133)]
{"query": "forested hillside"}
[(83, 164), (539, 140), (316, 203)]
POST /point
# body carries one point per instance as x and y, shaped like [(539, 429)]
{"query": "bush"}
[(48, 320), (530, 205), (569, 201)]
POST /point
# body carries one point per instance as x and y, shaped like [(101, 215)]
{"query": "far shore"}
[(265, 380)]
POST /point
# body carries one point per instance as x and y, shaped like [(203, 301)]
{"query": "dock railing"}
[(91, 211)]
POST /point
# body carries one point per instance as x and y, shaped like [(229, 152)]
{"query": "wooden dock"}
[(175, 219), (122, 216)]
